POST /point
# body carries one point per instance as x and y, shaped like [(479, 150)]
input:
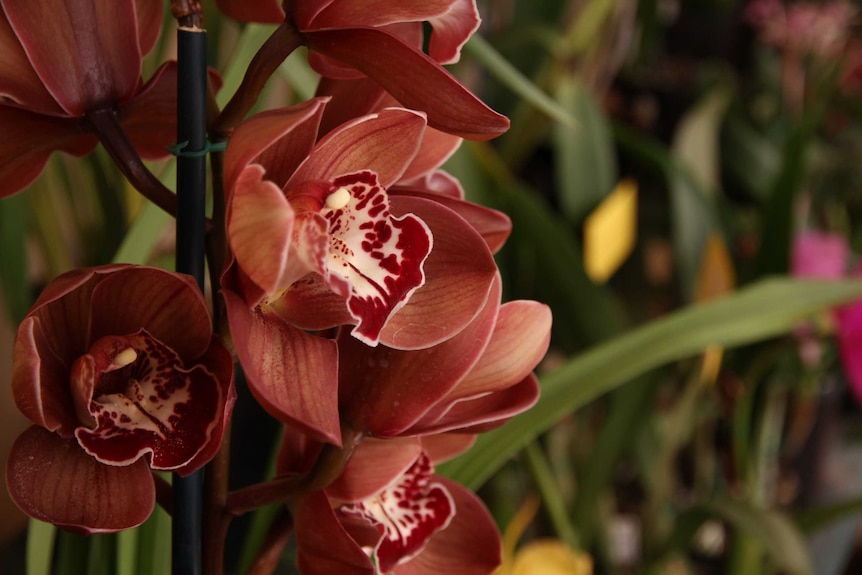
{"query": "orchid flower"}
[(388, 513), (64, 63), (118, 369), (318, 242), (382, 40)]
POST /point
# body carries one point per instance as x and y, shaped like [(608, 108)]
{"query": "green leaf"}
[(585, 157), (763, 310), (775, 531), (147, 228), (40, 547), (695, 145), (812, 520), (13, 258)]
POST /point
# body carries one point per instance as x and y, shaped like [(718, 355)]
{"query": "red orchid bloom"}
[(382, 40), (388, 513), (62, 61), (337, 232), (118, 368)]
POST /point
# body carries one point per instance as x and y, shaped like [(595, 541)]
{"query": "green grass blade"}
[(763, 310)]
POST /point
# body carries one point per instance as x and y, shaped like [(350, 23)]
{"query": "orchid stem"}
[(283, 41), (106, 125), (186, 556), (330, 463)]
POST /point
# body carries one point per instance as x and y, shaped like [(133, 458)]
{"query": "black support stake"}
[(191, 229)]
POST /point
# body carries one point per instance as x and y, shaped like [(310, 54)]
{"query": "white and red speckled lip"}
[(135, 397), (406, 514), (375, 260)]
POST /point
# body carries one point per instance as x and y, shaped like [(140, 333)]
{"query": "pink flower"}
[(118, 368), (340, 231), (64, 60)]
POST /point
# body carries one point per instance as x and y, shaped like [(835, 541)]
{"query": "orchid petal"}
[(376, 464), (413, 78), (459, 273), (494, 226), (445, 446), (350, 99), (436, 148), (80, 50), (18, 80), (310, 304), (366, 144), (148, 15), (51, 479), (375, 261), (470, 545), (30, 139), (324, 546), (260, 225), (169, 305), (343, 13), (219, 361), (292, 374), (40, 380), (264, 11), (385, 391), (407, 514), (291, 132), (520, 341), (484, 413), (142, 401), (150, 119), (452, 30)]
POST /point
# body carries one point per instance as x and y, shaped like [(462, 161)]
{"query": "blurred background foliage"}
[(662, 157)]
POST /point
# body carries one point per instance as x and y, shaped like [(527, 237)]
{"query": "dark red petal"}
[(452, 30), (18, 80), (375, 465), (150, 118), (459, 273), (40, 380), (325, 547), (310, 304), (484, 413), (445, 446), (219, 362), (53, 480), (149, 19), (278, 140), (385, 391), (86, 52), (341, 13), (384, 143), (143, 401), (264, 11), (469, 546), (167, 304), (350, 99), (30, 139), (407, 514), (413, 78), (292, 374), (494, 226)]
